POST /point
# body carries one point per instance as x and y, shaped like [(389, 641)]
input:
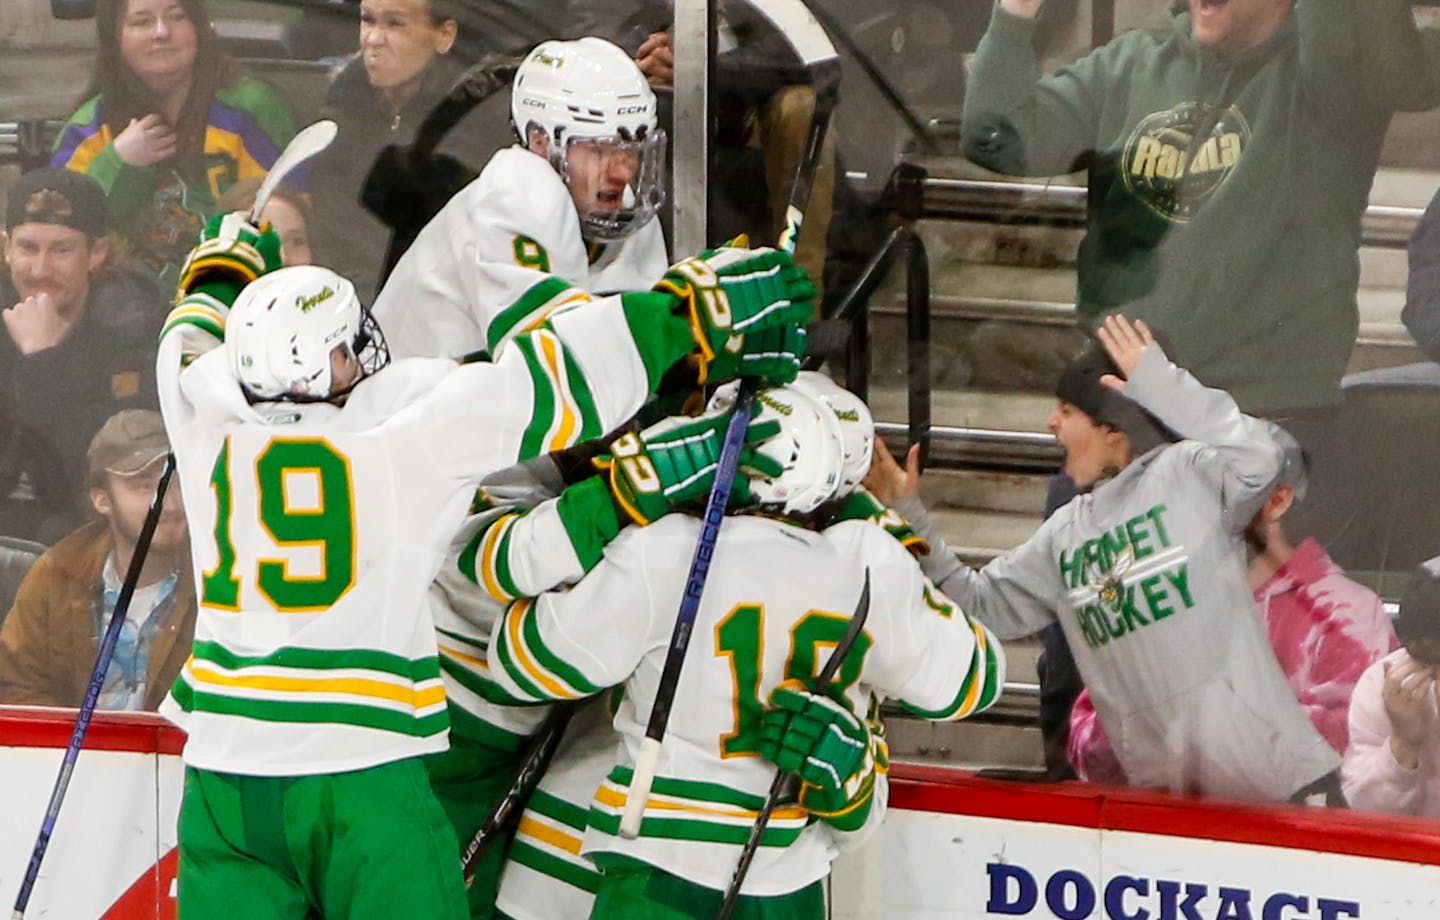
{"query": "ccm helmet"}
[(857, 426), (808, 445), (283, 327), (588, 91)]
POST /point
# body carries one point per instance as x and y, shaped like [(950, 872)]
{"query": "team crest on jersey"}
[(1174, 170), (1110, 587)]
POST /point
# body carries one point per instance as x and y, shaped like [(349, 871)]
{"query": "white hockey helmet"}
[(283, 327), (590, 91), (808, 445), (857, 425)]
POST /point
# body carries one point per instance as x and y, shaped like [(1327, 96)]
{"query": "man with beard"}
[(49, 640), (78, 343)]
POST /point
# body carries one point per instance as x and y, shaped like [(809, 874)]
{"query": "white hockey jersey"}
[(503, 253), (777, 598), (317, 529)]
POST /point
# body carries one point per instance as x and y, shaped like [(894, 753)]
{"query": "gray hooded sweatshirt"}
[(1146, 575)]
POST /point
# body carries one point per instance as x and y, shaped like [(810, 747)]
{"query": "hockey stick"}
[(92, 692), (311, 139), (792, 19), (395, 189), (781, 784), (507, 811)]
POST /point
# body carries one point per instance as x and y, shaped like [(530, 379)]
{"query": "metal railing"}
[(1063, 205)]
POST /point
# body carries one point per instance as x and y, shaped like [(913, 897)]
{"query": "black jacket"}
[(346, 236), (53, 401)]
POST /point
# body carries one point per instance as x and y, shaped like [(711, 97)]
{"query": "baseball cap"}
[(1080, 385), (128, 442), (57, 196)]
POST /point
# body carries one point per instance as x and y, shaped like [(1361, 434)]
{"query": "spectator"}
[(1393, 762), (1324, 628), (79, 336), (50, 639), (404, 67), (168, 124), (761, 103), (1146, 575), (1186, 135), (288, 211), (1422, 294)]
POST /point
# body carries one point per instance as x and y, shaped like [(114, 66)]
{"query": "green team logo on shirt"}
[(1176, 159), (1127, 578)]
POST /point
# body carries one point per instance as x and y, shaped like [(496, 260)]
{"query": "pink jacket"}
[(1371, 778), (1325, 630)]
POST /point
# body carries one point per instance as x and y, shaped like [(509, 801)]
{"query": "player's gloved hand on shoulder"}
[(232, 251), (818, 738), (674, 461), (731, 294)]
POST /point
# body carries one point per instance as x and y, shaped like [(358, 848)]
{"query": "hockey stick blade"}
[(779, 786), (92, 690), (312, 139), (649, 757), (507, 811)]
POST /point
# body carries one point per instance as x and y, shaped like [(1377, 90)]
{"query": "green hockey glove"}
[(732, 293), (830, 748), (674, 461), (774, 355), (231, 251)]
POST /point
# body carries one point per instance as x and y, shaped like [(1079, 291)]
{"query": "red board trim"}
[(137, 732), (937, 789), (1348, 833)]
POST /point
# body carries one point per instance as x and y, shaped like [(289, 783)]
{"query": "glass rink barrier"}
[(1127, 313), (953, 844)]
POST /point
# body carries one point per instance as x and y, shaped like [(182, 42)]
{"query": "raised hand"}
[(147, 141), (1124, 342), (35, 324), (886, 480), (1027, 8), (1409, 694), (656, 59)]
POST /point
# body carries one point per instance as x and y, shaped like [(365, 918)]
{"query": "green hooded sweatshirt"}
[(1225, 194)]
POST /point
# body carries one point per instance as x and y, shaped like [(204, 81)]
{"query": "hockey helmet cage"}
[(283, 327), (857, 425), (590, 91), (808, 446)]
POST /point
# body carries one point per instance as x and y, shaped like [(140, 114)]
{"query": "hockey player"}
[(516, 552), (1146, 575), (570, 210), (329, 484), (759, 636)]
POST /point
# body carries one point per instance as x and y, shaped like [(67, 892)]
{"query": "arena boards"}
[(953, 845)]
